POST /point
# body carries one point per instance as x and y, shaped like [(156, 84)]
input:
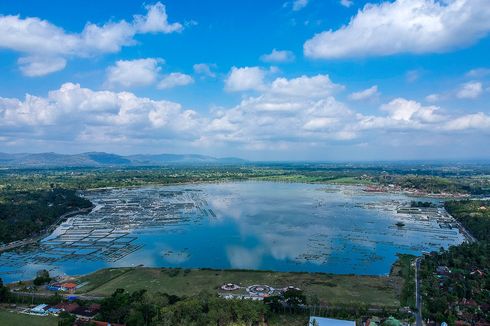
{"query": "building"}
[(67, 306), (321, 321), (69, 286), (87, 313), (40, 309)]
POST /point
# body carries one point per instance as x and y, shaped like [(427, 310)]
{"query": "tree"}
[(42, 277), (4, 291), (66, 319)]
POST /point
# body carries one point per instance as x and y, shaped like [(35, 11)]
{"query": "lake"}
[(250, 225)]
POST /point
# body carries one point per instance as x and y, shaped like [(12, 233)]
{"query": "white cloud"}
[(89, 117), (412, 75), (470, 90), (131, 73), (204, 69), (45, 46), (432, 98), (470, 121), (175, 79), (40, 66), (285, 115), (155, 21), (401, 109), (365, 94), (404, 26), (478, 73), (346, 3), (304, 86), (299, 4), (243, 79), (278, 56)]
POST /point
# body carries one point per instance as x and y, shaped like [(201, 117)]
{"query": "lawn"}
[(329, 289), (17, 319)]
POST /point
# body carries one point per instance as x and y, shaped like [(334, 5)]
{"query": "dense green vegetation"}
[(456, 282), (24, 214), (404, 268), (474, 215), (138, 308), (438, 178)]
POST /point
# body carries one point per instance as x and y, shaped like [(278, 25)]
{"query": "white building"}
[(40, 310), (321, 321)]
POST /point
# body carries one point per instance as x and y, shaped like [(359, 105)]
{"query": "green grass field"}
[(329, 289), (17, 319)]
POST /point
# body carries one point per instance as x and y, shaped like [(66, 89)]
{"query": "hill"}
[(101, 159)]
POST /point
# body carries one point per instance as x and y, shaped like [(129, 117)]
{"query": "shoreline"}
[(46, 232)]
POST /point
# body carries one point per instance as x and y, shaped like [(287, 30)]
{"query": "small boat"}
[(400, 224)]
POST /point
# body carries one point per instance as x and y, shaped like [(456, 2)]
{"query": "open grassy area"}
[(329, 289), (17, 319)]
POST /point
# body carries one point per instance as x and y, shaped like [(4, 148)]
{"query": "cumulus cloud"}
[(45, 46), (175, 79), (90, 117), (204, 69), (286, 114), (244, 79), (278, 56), (155, 21), (131, 73), (470, 90), (404, 26), (365, 94)]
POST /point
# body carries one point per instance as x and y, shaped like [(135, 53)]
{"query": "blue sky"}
[(285, 80)]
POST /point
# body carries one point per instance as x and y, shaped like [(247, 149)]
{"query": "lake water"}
[(252, 225)]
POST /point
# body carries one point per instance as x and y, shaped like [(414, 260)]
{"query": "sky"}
[(323, 80)]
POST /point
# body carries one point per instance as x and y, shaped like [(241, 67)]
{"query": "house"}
[(54, 310), (69, 286), (321, 321), (40, 309), (443, 270), (54, 287), (67, 306), (87, 312)]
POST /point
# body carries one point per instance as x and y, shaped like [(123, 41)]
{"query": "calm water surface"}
[(253, 225)]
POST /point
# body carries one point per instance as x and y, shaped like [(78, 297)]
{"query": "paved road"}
[(65, 295), (418, 297)]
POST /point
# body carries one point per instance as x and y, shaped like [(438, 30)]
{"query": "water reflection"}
[(259, 225)]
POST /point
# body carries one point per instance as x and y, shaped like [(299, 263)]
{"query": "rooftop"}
[(321, 321)]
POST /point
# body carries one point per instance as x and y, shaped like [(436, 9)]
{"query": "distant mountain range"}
[(101, 159)]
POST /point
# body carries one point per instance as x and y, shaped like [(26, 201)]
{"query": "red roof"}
[(69, 285), (67, 306), (104, 323)]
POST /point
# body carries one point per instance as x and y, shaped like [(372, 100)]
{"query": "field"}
[(17, 319), (329, 289)]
